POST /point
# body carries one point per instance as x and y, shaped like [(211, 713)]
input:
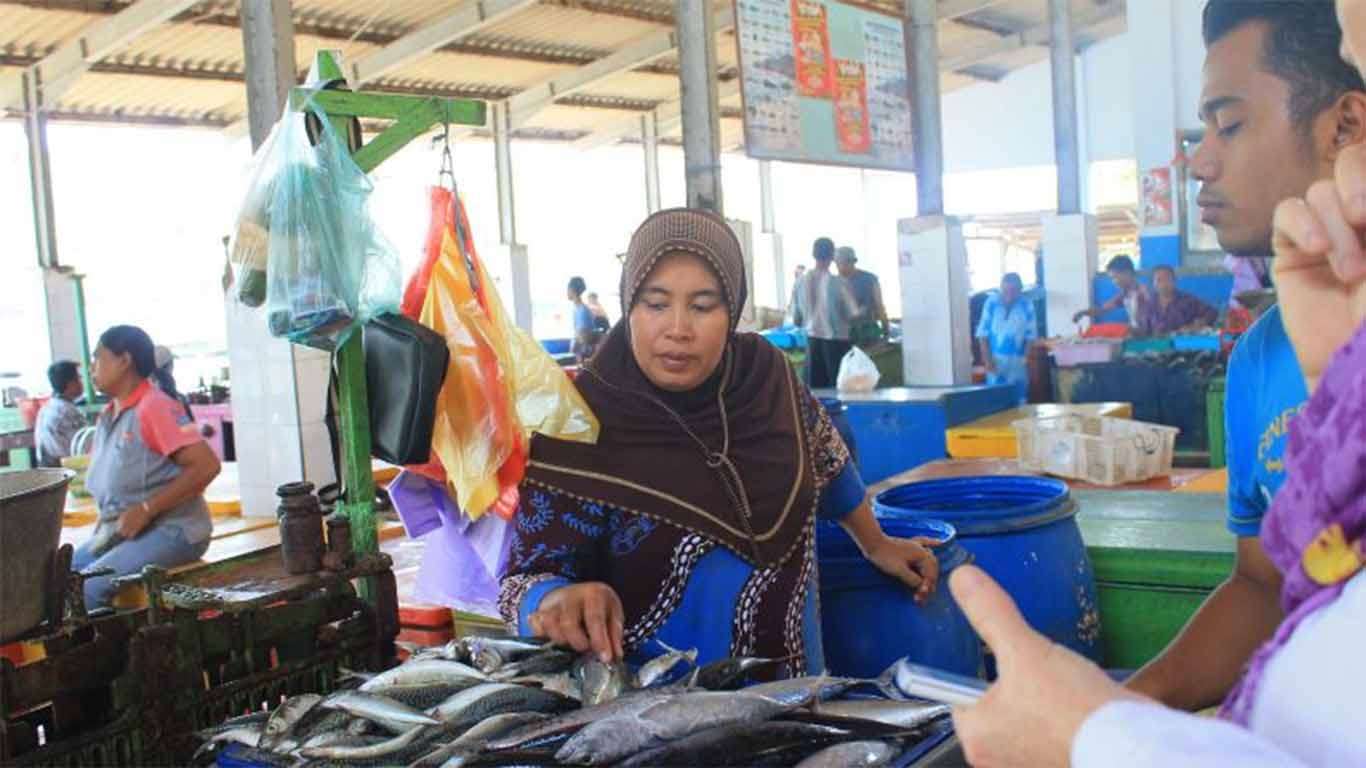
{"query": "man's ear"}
[(1349, 127)]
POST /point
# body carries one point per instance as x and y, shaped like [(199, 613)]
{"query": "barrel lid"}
[(978, 506), (20, 484)]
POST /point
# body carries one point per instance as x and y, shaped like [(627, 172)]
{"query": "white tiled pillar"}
[(64, 334), (1070, 254), (935, 343), (278, 401)]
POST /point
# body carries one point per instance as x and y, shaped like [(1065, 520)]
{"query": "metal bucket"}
[(31, 505)]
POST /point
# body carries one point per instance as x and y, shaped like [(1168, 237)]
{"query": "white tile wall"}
[(318, 468)]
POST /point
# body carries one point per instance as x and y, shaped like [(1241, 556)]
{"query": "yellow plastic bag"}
[(500, 385)]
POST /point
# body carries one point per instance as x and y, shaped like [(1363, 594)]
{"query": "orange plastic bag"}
[(500, 386)]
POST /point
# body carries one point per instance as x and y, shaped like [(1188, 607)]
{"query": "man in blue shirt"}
[(1278, 104), (1007, 329), (586, 335)]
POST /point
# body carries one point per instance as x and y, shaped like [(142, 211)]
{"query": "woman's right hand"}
[(585, 617)]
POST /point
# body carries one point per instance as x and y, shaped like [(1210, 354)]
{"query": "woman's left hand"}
[(134, 520), (908, 560)]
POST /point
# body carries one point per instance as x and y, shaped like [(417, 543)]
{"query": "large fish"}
[(902, 714), (852, 754), (548, 662), (610, 740), (729, 746), (424, 672), (283, 720), (800, 691), (490, 654), (483, 701), (657, 669), (726, 674), (367, 752), (254, 719), (458, 752), (559, 728), (383, 711), (601, 682), (563, 684)]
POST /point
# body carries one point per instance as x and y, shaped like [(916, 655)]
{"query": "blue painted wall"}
[(1213, 288)]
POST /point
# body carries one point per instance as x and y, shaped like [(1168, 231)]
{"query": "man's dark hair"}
[(1302, 48), (823, 249), (577, 286), (1121, 264), (60, 375), (134, 342), (1014, 279), (1164, 268)]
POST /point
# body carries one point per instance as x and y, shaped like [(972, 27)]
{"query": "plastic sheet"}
[(501, 385), (306, 245), (858, 372)]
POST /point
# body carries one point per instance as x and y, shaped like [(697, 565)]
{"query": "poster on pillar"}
[(1158, 208), (824, 82)]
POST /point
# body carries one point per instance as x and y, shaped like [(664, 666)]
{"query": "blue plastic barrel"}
[(1023, 531), (869, 620), (556, 346), (837, 409)]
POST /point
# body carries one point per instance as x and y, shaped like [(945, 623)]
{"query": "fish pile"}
[(513, 702)]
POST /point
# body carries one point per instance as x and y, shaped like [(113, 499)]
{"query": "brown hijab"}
[(733, 465)]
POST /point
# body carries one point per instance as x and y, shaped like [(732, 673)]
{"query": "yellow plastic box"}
[(993, 437)]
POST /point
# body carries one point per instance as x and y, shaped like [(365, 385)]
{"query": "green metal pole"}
[(353, 411), (78, 285)]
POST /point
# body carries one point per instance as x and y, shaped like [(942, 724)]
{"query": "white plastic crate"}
[(1097, 449)]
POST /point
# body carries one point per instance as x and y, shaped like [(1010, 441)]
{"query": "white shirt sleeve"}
[(1140, 734)]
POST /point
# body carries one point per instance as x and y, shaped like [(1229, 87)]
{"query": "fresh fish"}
[(656, 669), (257, 719), (423, 673), (368, 752), (361, 727), (726, 674), (342, 738), (489, 654), (549, 662), (320, 720), (539, 734), (563, 684), (483, 701), (283, 720), (728, 746), (800, 691), (244, 734), (392, 715), (425, 696), (601, 682), (610, 740), (469, 743), (902, 714), (852, 754)]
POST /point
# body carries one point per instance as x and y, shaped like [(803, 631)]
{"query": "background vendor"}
[(60, 419), (1004, 335), (148, 471), (1173, 311), (1133, 296), (692, 521)]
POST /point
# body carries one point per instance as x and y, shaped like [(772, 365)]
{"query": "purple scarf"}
[(1325, 486)]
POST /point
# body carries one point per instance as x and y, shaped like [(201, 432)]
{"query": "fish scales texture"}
[(852, 754), (425, 672), (720, 746), (378, 709), (474, 738), (573, 721), (473, 705)]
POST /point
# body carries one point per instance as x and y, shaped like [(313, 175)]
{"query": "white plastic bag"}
[(857, 372)]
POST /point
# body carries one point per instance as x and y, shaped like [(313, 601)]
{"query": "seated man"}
[(1172, 311), (60, 419)]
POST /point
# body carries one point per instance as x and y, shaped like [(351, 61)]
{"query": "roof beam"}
[(645, 50), (470, 17), (56, 72), (669, 115), (956, 9), (1034, 36)]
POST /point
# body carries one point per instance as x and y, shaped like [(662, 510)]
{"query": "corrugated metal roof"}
[(191, 69)]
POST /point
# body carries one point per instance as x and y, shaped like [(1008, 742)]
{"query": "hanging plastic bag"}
[(327, 267), (501, 385), (858, 373)]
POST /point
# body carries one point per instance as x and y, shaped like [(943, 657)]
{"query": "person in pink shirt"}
[(147, 473)]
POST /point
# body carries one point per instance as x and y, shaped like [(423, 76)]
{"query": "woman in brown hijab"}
[(691, 524)]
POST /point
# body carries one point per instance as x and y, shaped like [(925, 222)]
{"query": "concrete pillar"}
[(1152, 40), (768, 219), (502, 158), (39, 172), (701, 115), (936, 340), (649, 139), (769, 239), (278, 389), (927, 121), (1066, 150), (1070, 252)]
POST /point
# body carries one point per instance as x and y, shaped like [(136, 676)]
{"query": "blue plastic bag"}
[(327, 266)]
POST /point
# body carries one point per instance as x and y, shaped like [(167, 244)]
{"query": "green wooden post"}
[(78, 285), (412, 116)]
